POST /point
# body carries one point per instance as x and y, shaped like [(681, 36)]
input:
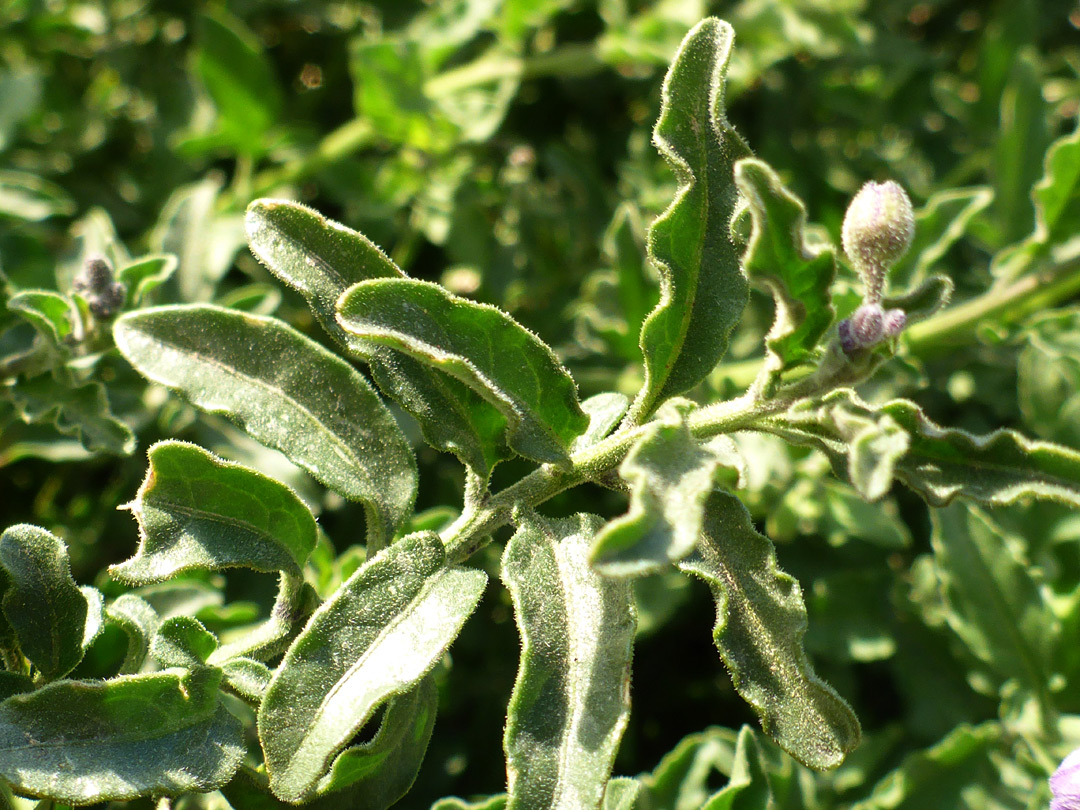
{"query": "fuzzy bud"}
[(878, 228), (96, 283)]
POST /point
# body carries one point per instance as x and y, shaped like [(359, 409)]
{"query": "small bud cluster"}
[(96, 283), (878, 228)]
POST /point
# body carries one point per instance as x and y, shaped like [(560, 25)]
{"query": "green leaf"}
[(182, 641), (375, 638), (671, 476), (52, 315), (247, 677), (939, 225), (44, 606), (621, 793), (82, 412), (1048, 372), (29, 197), (778, 258), (997, 604), (995, 469), (703, 290), (571, 699), (497, 802), (748, 785), (482, 347), (373, 776), (144, 275), (272, 381), (139, 621), (760, 624), (14, 683), (83, 742), (321, 259), (240, 80), (604, 412), (197, 511), (682, 779), (923, 300)]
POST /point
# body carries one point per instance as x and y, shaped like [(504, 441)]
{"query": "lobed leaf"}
[(83, 742), (671, 476), (760, 624), (273, 382), (482, 347), (571, 699), (778, 258), (197, 511), (940, 464), (703, 290), (379, 634), (321, 259), (46, 610), (81, 411)]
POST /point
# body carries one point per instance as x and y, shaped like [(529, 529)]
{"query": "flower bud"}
[(878, 228), (1065, 784), (104, 295)]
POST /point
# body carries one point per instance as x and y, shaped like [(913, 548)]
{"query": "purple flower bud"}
[(878, 228), (1065, 784), (893, 325), (864, 328), (104, 295)]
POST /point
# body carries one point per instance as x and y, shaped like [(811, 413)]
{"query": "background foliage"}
[(503, 149)]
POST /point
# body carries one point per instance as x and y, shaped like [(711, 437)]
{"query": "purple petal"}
[(1065, 784)]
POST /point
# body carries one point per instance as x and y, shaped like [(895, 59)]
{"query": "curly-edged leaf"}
[(684, 775), (144, 275), (139, 621), (940, 464), (52, 315), (247, 677), (670, 475), (182, 641), (83, 742), (760, 624), (373, 776), (939, 225), (375, 638), (604, 412), (273, 381), (45, 608), (571, 699), (922, 301), (748, 782), (779, 259), (497, 802), (197, 511), (82, 412), (321, 259), (703, 290), (996, 605), (482, 347)]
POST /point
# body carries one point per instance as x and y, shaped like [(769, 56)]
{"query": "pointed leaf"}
[(995, 602), (621, 793), (42, 603), (139, 621), (994, 469), (760, 624), (777, 258), (197, 511), (482, 347), (272, 381), (571, 699), (373, 776), (182, 641), (379, 634), (83, 742), (671, 476), (703, 290), (320, 259), (82, 412)]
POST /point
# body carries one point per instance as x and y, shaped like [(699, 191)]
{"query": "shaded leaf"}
[(760, 624), (144, 275), (321, 259), (197, 511), (778, 258), (45, 608), (83, 742), (182, 641), (481, 346), (52, 315), (939, 224), (83, 412), (30, 197), (703, 290), (571, 699), (272, 381), (748, 783), (941, 463), (497, 802), (379, 634), (1048, 371), (670, 475), (139, 621), (604, 412)]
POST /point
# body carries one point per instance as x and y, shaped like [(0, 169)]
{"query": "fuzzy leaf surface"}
[(571, 699), (994, 469), (703, 290), (139, 622), (197, 511), (82, 412), (670, 475), (44, 607), (321, 259), (379, 634), (272, 381), (778, 259), (482, 347), (760, 624), (83, 742)]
